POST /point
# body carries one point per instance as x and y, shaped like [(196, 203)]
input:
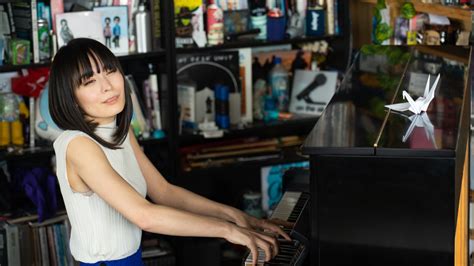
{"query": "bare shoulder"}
[(83, 149)]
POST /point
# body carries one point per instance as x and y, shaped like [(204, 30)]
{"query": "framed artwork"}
[(198, 75), (72, 25), (114, 24), (312, 91)]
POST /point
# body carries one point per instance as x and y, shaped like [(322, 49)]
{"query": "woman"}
[(104, 176)]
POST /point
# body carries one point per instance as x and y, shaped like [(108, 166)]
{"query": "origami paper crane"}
[(420, 120), (421, 103)]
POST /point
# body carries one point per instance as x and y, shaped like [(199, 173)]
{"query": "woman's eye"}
[(111, 71), (88, 82)]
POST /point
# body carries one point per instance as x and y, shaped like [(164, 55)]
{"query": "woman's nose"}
[(106, 84)]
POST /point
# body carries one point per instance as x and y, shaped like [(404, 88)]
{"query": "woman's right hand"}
[(254, 240)]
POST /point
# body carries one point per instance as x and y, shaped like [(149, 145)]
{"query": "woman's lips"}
[(111, 100)]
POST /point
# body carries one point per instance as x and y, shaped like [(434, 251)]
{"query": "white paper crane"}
[(419, 105), (420, 120)]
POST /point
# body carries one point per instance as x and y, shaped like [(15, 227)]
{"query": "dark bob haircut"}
[(70, 68)]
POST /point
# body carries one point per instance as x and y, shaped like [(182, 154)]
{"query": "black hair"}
[(117, 17), (70, 68), (107, 18)]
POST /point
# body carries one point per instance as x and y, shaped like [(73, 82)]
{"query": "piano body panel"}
[(385, 186), (368, 213)]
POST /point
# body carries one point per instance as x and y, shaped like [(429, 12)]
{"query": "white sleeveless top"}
[(98, 231)]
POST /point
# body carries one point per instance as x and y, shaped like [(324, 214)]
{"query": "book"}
[(155, 24), (25, 238), (189, 23), (9, 11), (245, 74), (4, 21), (45, 248), (25, 19), (57, 7), (330, 16), (13, 245), (3, 246)]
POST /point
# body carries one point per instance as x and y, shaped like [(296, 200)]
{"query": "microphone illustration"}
[(319, 80)]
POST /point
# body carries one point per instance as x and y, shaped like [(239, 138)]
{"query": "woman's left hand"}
[(272, 226)]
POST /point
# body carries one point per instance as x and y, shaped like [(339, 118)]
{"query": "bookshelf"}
[(459, 14), (164, 152), (256, 43), (362, 25)]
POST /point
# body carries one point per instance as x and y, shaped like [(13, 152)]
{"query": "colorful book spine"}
[(34, 31), (330, 17), (155, 24), (3, 246), (57, 7)]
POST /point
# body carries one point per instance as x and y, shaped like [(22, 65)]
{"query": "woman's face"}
[(102, 96)]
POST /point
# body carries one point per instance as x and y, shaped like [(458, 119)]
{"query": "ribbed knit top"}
[(98, 231)]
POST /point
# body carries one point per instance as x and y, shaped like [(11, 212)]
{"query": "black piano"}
[(293, 208), (386, 185)]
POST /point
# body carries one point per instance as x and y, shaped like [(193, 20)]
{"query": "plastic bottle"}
[(143, 29), (215, 24), (258, 17), (278, 78)]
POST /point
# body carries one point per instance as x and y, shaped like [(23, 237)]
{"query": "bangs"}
[(96, 57), (73, 64)]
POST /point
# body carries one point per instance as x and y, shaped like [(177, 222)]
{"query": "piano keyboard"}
[(288, 209), (289, 254)]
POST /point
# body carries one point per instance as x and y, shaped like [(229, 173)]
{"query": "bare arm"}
[(89, 162), (162, 192)]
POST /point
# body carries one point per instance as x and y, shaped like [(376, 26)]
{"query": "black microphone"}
[(319, 80)]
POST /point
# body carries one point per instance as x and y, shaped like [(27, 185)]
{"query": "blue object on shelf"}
[(221, 92), (315, 22), (158, 134), (276, 28)]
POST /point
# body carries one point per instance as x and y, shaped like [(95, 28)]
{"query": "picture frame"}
[(114, 27), (312, 91), (199, 73), (84, 24)]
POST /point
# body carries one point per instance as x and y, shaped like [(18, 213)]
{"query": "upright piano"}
[(387, 187)]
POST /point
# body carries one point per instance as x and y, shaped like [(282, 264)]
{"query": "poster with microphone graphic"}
[(312, 91)]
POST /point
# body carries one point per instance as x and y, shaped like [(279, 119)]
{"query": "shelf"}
[(27, 153), (128, 57), (135, 56), (10, 68), (287, 155), (46, 151), (254, 43), (457, 13), (258, 128), (454, 12), (456, 53), (152, 141)]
